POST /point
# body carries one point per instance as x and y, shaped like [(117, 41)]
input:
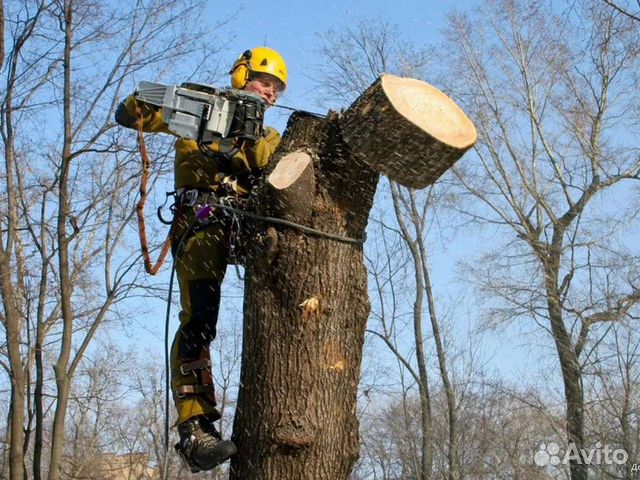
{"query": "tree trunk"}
[(571, 371), (625, 425), (63, 380), (16, 455), (13, 318), (13, 324), (452, 410), (39, 410), (306, 308), (306, 302), (426, 423)]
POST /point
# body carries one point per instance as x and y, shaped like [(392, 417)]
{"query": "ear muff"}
[(240, 71)]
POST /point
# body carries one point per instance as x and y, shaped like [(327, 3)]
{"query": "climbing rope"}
[(167, 353), (280, 221), (151, 268), (167, 369)]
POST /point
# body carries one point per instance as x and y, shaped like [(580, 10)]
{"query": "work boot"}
[(201, 447)]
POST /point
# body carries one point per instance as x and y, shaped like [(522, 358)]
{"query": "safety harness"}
[(208, 207), (150, 267), (190, 198)]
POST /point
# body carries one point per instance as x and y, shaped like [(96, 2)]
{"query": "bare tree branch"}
[(623, 11)]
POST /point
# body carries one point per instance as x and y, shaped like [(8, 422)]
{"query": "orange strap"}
[(144, 245)]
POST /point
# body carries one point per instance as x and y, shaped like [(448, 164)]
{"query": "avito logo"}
[(549, 454)]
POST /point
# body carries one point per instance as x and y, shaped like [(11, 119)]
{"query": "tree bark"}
[(305, 315), (570, 367)]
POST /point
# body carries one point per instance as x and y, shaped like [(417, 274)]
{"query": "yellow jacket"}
[(192, 168)]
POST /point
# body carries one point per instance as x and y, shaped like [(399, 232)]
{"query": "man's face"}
[(267, 86)]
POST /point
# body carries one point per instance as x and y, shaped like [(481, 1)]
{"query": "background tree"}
[(68, 189), (627, 8), (552, 99), (613, 375)]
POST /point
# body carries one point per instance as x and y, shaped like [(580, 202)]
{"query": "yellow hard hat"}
[(258, 60)]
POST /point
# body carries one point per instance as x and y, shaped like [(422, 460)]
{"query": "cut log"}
[(408, 130)]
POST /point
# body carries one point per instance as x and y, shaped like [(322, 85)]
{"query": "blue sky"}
[(292, 28)]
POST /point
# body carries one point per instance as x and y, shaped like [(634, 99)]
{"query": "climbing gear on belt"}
[(192, 197), (202, 201), (172, 208)]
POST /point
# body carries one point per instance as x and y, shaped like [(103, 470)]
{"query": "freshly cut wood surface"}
[(407, 130), (289, 169), (291, 187)]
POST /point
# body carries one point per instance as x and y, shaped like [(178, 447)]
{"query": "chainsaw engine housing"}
[(206, 113)]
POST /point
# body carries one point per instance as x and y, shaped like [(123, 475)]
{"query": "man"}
[(202, 257)]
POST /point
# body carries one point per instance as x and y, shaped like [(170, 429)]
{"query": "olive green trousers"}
[(200, 256)]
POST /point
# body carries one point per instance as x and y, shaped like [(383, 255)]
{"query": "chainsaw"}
[(205, 113)]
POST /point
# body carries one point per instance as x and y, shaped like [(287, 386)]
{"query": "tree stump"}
[(306, 302)]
